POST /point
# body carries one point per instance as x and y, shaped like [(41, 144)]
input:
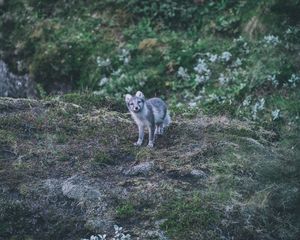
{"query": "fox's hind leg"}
[(159, 129), (156, 129), (151, 135)]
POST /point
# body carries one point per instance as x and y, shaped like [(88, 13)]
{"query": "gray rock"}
[(99, 225), (15, 86), (142, 168), (75, 188), (52, 186), (198, 173)]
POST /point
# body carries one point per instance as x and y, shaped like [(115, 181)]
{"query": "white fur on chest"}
[(141, 117)]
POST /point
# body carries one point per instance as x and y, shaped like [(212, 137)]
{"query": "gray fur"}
[(151, 113)]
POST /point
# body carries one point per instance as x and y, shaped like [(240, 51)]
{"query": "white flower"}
[(18, 84), (275, 114), (192, 104), (259, 105), (125, 56), (102, 237), (237, 63), (222, 79), (124, 52), (203, 73), (200, 79), (126, 60), (201, 67), (117, 228), (182, 72), (247, 101), (271, 40), (94, 237), (103, 81), (273, 79), (116, 73), (239, 39), (213, 97), (288, 31), (103, 62), (128, 89), (226, 56), (294, 79), (212, 57)]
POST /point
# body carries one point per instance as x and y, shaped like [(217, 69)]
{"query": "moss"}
[(144, 153), (103, 158), (7, 137), (61, 138), (90, 100), (125, 210), (187, 217), (14, 219), (64, 157)]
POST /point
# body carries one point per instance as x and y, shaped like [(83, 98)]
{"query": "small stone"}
[(198, 173), (142, 168), (99, 225)]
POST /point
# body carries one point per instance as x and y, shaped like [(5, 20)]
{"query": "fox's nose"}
[(136, 108)]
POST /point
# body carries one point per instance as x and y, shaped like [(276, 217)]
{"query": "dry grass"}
[(248, 188)]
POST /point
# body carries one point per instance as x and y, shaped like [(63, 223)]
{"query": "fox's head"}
[(135, 103)]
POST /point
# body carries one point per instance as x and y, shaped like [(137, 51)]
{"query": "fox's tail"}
[(167, 120)]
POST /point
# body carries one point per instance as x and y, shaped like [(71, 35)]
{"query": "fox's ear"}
[(127, 97), (140, 94)]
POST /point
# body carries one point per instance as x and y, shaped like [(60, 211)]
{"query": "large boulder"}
[(15, 86)]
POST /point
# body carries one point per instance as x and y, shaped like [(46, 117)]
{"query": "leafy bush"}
[(141, 45)]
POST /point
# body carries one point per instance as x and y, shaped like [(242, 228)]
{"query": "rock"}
[(53, 186), (186, 174), (142, 168), (98, 217), (155, 234), (15, 86), (74, 187), (99, 225), (198, 173)]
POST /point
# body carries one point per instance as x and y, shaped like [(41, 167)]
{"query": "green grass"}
[(103, 159), (125, 210), (251, 174), (7, 137), (187, 217), (90, 100), (64, 50), (252, 184)]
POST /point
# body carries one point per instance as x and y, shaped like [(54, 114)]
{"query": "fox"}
[(151, 113)]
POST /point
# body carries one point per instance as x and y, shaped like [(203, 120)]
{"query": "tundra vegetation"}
[(227, 168)]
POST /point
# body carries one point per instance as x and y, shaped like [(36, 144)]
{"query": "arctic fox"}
[(151, 113)]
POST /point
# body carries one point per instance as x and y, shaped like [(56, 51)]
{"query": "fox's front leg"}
[(141, 136), (151, 135)]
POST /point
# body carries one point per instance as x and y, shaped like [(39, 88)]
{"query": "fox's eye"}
[(131, 104), (139, 102)]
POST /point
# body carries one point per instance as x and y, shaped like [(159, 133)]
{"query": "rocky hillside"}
[(69, 171)]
